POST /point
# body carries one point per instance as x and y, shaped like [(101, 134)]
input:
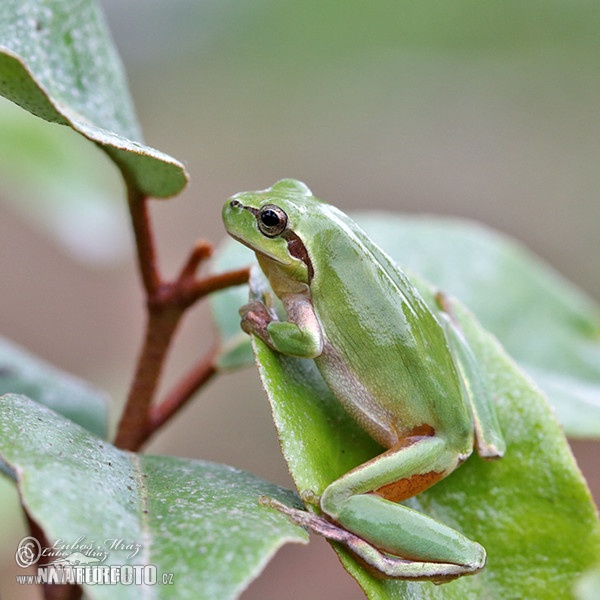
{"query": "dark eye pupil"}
[(270, 218), (272, 221)]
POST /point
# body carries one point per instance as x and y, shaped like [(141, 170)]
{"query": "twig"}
[(191, 292), (201, 251), (134, 425), (144, 240), (166, 303)]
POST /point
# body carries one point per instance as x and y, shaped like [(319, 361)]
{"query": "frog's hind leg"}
[(382, 563), (408, 544), (489, 440), (394, 539)]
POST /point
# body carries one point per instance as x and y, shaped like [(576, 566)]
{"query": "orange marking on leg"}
[(408, 487), (407, 438), (423, 430)]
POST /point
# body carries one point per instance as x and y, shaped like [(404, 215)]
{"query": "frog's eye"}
[(271, 220)]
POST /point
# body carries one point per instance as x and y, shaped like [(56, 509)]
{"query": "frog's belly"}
[(370, 414)]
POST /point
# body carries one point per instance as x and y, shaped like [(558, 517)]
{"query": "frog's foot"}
[(309, 520), (255, 318), (380, 563)]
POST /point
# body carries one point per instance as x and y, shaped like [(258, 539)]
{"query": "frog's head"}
[(268, 222)]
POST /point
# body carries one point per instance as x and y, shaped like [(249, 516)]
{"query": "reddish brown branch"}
[(193, 291), (166, 303), (134, 426), (144, 241), (201, 251)]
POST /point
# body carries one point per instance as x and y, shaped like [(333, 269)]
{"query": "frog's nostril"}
[(236, 204)]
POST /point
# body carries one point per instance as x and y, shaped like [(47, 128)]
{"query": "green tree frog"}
[(403, 371)]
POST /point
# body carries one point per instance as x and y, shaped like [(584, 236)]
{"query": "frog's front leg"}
[(299, 336), (393, 539)]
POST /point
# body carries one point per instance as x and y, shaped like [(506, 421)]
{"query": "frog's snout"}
[(231, 209)]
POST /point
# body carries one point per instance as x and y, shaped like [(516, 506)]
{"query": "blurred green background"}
[(488, 111)]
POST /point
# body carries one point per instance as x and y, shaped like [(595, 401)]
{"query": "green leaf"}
[(550, 327), (57, 61), (87, 217), (200, 521), (531, 510), (77, 400), (588, 587)]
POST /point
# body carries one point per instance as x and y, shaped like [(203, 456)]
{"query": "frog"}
[(400, 366)]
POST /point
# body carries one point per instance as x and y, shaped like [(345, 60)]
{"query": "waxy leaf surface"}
[(546, 324), (531, 510), (57, 61), (75, 399), (199, 521)]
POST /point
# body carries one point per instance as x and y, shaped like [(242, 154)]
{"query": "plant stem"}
[(134, 426), (144, 241), (191, 291), (166, 303)]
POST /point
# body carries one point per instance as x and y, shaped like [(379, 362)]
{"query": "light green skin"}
[(405, 374)]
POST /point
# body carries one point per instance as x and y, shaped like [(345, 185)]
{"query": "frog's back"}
[(389, 338)]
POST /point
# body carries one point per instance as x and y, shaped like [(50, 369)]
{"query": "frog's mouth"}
[(267, 255)]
